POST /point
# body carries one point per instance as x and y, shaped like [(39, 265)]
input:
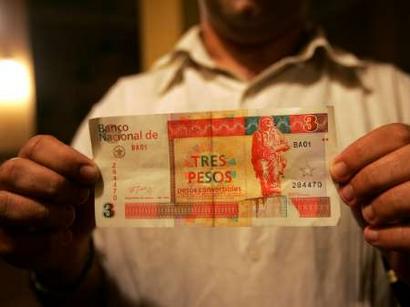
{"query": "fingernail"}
[(371, 235), (368, 214), (89, 173), (339, 170), (347, 193)]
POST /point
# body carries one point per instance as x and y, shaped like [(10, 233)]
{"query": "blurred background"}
[(59, 57)]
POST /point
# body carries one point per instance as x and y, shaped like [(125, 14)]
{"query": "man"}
[(246, 54)]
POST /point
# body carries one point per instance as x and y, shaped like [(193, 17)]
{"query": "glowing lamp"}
[(15, 83), (17, 88), (16, 105)]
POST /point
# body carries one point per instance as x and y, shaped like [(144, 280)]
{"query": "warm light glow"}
[(15, 85)]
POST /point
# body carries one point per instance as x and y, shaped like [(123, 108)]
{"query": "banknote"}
[(257, 167)]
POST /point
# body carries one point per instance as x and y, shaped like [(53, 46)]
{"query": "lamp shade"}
[(16, 78)]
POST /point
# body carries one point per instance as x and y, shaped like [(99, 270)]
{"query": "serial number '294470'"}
[(307, 184)]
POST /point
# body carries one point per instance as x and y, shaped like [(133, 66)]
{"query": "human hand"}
[(46, 210), (373, 175)]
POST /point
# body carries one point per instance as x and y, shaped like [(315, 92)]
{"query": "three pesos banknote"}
[(231, 168)]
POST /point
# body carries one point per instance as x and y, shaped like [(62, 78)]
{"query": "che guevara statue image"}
[(268, 146)]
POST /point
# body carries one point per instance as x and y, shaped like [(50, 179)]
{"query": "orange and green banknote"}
[(241, 168)]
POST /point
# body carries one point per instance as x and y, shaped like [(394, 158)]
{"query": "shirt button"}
[(255, 254)]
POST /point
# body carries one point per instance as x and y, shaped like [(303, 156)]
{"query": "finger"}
[(382, 174), (53, 154), (28, 178), (396, 238), (369, 148), (17, 210), (30, 250), (389, 207)]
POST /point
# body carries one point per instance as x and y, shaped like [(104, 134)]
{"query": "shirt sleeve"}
[(111, 104), (402, 83)]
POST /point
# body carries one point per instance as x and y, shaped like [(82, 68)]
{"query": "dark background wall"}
[(377, 29), (80, 48)]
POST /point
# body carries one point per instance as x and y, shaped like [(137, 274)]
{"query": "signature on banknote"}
[(139, 189)]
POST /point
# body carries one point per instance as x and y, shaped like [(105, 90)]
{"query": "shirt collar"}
[(190, 48)]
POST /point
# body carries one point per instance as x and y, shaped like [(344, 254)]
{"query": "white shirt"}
[(272, 266)]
